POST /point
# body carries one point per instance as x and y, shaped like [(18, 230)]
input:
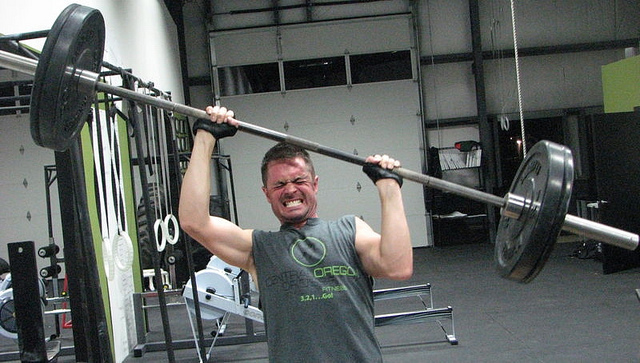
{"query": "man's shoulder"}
[(347, 221)]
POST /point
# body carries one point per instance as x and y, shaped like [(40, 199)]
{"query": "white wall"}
[(22, 187)]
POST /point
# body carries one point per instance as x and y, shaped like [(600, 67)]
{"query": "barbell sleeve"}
[(18, 63), (600, 232)]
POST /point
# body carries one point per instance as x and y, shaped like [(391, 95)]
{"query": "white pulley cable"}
[(504, 122), (161, 242), (122, 246), (107, 157), (122, 250), (159, 227), (171, 221), (104, 219), (166, 182)]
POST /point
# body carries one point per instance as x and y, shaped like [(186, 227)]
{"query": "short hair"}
[(283, 151)]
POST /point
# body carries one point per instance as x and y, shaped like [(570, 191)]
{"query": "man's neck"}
[(299, 225)]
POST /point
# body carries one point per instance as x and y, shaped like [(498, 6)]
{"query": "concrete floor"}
[(570, 313)]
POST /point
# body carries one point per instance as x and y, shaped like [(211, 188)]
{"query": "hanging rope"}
[(496, 30), (435, 83), (515, 49)]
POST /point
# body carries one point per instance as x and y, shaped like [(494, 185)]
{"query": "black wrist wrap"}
[(217, 130), (375, 173)]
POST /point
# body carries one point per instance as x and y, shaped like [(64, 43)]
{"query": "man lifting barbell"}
[(314, 276), (533, 212)]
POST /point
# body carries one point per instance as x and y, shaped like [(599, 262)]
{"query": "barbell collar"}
[(514, 206), (87, 80)]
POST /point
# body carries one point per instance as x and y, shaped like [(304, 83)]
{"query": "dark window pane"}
[(6, 89), (312, 73), (256, 78), (379, 67), (9, 98), (25, 88)]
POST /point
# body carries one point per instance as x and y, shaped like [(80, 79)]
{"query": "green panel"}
[(87, 152), (621, 85)]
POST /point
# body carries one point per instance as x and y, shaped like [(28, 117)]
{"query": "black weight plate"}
[(59, 108), (545, 180)]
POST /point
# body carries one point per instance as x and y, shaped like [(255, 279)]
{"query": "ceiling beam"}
[(532, 51)]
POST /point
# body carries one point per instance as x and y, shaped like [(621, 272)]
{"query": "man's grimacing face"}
[(291, 189)]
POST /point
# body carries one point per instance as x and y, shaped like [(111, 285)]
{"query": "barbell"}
[(533, 212)]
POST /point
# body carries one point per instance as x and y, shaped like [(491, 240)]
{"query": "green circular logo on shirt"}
[(308, 252)]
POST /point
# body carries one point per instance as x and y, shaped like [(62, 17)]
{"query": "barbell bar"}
[(532, 213)]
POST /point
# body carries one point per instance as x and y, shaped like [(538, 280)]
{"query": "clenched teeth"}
[(293, 203)]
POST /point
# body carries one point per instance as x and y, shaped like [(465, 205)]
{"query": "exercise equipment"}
[(8, 324), (428, 312), (29, 309), (91, 341), (117, 246), (59, 299), (222, 293), (130, 82), (75, 40), (65, 78), (166, 226), (546, 172), (8, 328)]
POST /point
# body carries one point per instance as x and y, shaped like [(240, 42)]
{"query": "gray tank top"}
[(317, 299)]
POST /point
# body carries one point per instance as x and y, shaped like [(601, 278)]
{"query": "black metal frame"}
[(27, 304), (90, 332)]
